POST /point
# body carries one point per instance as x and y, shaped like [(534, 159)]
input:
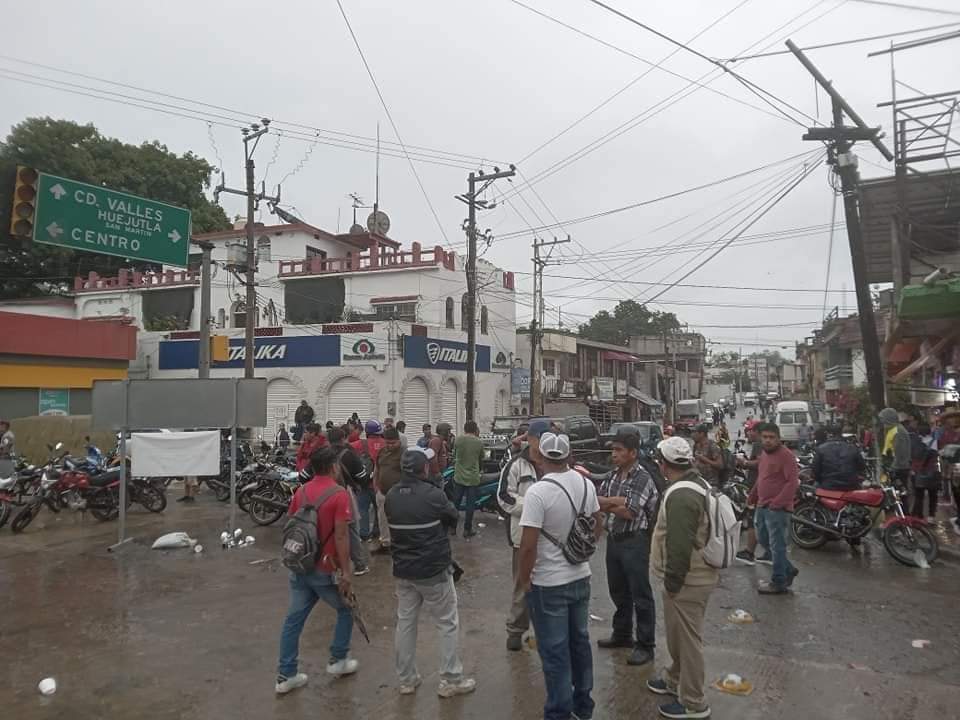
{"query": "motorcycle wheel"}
[(263, 514), (737, 492), (25, 516), (5, 510), (806, 537), (110, 509), (220, 491), (904, 541), (153, 498), (243, 500)]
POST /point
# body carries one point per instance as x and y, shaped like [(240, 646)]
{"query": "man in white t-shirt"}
[(558, 592)]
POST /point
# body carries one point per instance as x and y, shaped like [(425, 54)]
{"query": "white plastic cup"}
[(47, 686), (250, 540), (198, 549)]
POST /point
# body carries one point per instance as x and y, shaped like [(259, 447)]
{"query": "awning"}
[(925, 302), (643, 397), (614, 355)]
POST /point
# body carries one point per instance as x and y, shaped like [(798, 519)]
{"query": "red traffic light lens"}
[(27, 175)]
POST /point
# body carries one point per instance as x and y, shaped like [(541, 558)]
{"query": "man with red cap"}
[(750, 463)]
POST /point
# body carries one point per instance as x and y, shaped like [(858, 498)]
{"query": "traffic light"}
[(24, 202), (219, 348)]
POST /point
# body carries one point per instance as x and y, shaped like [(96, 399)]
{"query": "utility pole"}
[(203, 364), (470, 226), (251, 134), (536, 339), (841, 139)]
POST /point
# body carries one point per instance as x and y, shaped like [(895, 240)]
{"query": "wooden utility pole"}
[(536, 339), (250, 134), (841, 139), (473, 202)]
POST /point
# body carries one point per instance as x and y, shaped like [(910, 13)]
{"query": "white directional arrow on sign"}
[(174, 236), (54, 230), (58, 191)]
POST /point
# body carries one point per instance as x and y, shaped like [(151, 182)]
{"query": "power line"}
[(726, 244), (396, 131), (751, 86), (840, 43), (246, 115), (667, 102), (904, 6), (652, 66), (710, 287)]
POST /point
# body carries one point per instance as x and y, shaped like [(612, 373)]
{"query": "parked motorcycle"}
[(486, 496), (270, 496), (822, 516)]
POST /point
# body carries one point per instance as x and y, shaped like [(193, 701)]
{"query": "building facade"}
[(350, 323)]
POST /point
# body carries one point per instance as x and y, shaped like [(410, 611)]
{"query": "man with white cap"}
[(675, 557), (557, 588), (419, 515)]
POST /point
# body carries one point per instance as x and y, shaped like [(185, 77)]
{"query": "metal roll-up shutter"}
[(283, 397), (347, 396), (450, 405), (415, 408)]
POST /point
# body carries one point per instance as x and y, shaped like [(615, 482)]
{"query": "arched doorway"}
[(415, 404), (282, 400), (347, 396), (450, 405)]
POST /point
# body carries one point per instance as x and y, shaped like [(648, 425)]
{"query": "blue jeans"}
[(628, 579), (559, 615), (305, 590), (471, 492), (364, 499), (772, 529)]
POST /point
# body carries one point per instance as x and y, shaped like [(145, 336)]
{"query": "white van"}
[(795, 421)]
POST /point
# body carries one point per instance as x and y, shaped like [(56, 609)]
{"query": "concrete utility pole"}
[(536, 339), (203, 364), (841, 139), (472, 202), (250, 134)]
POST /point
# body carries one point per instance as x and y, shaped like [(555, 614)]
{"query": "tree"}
[(80, 152), (629, 319)]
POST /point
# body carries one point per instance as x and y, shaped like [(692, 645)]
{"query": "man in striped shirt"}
[(629, 498)]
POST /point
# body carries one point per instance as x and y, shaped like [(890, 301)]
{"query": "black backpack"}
[(581, 542), (298, 542)]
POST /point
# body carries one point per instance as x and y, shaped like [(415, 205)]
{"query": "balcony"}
[(838, 377), (376, 258), (135, 280)]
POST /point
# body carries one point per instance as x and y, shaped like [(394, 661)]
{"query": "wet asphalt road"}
[(169, 634)]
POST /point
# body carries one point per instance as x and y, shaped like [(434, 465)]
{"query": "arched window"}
[(238, 314), (221, 318), (483, 320), (450, 324), (463, 311)]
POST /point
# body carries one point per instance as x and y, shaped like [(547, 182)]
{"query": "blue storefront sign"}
[(520, 381), (431, 353), (296, 351)]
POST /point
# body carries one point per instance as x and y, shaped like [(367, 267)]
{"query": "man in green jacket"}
[(675, 557), (468, 459)]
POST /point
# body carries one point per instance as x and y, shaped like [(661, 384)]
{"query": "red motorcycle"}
[(59, 489), (821, 516)]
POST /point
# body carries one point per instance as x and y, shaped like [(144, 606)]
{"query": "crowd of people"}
[(650, 509)]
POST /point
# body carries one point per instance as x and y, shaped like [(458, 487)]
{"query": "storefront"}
[(48, 364)]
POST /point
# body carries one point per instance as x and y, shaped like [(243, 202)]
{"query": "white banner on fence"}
[(175, 454)]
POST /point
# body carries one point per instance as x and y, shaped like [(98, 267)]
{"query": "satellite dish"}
[(357, 229), (378, 222)]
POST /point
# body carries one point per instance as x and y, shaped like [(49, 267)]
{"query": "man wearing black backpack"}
[(329, 579), (561, 522)]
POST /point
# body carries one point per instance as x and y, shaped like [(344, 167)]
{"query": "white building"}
[(350, 323)]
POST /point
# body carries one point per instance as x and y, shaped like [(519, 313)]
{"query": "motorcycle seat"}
[(105, 478), (867, 496)]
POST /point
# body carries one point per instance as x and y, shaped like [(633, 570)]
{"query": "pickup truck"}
[(649, 432)]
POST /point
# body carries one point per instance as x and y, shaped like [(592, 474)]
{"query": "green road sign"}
[(86, 217), (53, 402)]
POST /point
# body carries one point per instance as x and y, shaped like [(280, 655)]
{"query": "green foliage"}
[(629, 319), (80, 152)]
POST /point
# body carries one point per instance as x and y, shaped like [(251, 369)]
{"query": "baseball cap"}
[(676, 450), (750, 424), (555, 447), (538, 428), (415, 459)]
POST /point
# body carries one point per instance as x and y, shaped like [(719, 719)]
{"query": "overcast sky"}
[(495, 81)]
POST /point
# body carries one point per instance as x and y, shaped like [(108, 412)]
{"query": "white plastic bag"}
[(173, 540)]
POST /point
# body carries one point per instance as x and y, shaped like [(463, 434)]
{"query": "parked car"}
[(750, 399), (650, 433), (795, 420)]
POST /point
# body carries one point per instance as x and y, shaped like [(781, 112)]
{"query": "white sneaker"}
[(285, 684), (463, 686), (361, 570), (347, 666), (411, 688)]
